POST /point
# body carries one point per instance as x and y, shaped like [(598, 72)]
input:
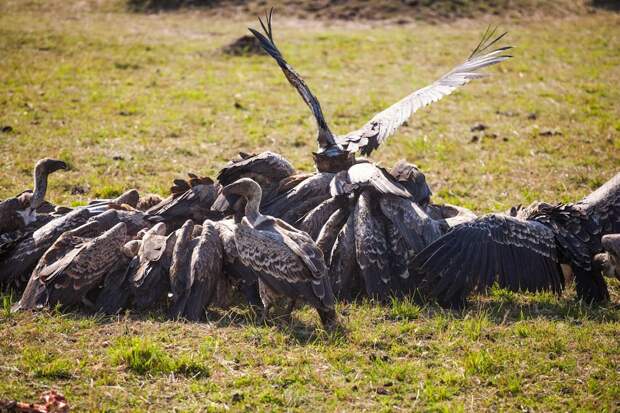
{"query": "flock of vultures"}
[(267, 235)]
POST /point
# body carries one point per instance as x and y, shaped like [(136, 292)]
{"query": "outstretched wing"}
[(516, 254), (326, 138), (385, 124)]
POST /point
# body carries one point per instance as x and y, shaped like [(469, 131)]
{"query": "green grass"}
[(145, 357), (133, 100)]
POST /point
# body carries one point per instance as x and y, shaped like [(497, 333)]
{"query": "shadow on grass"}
[(500, 307)]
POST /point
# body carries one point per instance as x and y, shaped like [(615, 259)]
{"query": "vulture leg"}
[(591, 286)]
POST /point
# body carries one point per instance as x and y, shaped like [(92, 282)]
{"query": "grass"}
[(143, 356), (133, 100)]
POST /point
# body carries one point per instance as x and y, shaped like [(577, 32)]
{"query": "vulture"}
[(288, 262), (149, 282), (270, 170), (115, 292), (23, 214), (609, 261), (241, 276), (17, 265), (208, 285), (525, 251), (73, 266), (189, 200), (180, 273), (338, 152), (378, 234)]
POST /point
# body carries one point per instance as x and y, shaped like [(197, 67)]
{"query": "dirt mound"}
[(246, 45), (398, 10)]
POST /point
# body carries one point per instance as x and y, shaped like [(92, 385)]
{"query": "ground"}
[(136, 100)]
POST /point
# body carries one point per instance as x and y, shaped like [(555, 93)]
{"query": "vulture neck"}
[(40, 187), (252, 206)]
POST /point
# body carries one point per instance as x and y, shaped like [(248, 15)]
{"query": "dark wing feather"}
[(371, 248), (414, 225), (180, 274), (315, 187), (385, 124), (195, 203), (115, 294), (494, 248), (343, 268), (269, 166), (209, 285), (314, 220), (325, 136), (328, 234)]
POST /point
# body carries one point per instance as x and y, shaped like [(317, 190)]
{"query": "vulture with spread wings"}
[(524, 251), (337, 152)]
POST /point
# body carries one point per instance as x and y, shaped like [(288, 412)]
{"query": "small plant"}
[(46, 365), (142, 356), (503, 295), (475, 325), (7, 302), (480, 363), (404, 309)]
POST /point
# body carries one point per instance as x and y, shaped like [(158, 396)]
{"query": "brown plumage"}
[(268, 169), (343, 268), (366, 175), (73, 266), (17, 265), (150, 282), (414, 225), (209, 286), (371, 247), (298, 201), (329, 232), (241, 276), (180, 269), (189, 200), (115, 292), (314, 220)]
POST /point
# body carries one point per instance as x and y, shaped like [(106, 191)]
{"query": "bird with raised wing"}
[(338, 152)]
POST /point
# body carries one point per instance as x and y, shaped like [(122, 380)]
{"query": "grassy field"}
[(135, 100)]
